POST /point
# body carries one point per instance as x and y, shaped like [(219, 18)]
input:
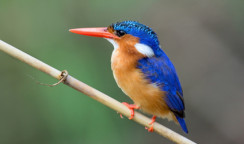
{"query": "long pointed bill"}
[(95, 32)]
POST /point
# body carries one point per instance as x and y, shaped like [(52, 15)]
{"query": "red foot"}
[(121, 116), (131, 107), (149, 129), (151, 123)]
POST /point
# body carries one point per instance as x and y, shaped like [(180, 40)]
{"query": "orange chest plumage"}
[(134, 84)]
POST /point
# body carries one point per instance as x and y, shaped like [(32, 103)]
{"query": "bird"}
[(143, 70)]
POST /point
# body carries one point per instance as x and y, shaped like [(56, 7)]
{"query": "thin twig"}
[(93, 93)]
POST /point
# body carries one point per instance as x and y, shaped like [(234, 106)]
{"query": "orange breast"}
[(133, 83)]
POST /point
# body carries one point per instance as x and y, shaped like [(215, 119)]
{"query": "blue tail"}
[(182, 123)]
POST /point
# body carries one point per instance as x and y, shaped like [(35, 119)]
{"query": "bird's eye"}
[(120, 33)]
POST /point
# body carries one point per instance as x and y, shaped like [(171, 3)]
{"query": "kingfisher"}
[(142, 70)]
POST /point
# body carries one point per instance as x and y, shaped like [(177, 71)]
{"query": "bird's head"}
[(132, 35)]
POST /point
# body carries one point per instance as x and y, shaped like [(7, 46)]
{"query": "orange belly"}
[(144, 94)]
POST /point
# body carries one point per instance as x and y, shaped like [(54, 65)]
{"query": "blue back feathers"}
[(158, 69)]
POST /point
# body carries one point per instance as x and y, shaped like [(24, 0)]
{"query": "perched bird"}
[(142, 70)]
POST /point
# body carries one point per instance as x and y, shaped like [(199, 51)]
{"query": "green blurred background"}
[(204, 39)]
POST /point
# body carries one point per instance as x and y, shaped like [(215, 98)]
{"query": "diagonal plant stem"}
[(93, 93)]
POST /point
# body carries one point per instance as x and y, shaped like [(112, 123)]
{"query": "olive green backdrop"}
[(204, 39)]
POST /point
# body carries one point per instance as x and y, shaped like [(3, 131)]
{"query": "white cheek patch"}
[(115, 44), (144, 49)]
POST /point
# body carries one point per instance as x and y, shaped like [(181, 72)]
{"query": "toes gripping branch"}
[(151, 123), (131, 107)]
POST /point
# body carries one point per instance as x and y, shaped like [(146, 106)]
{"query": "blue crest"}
[(145, 34)]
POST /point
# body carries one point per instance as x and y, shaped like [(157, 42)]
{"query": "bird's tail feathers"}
[(182, 123)]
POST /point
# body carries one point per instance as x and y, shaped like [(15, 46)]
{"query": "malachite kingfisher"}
[(142, 70)]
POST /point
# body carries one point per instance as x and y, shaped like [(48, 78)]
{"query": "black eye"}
[(120, 33)]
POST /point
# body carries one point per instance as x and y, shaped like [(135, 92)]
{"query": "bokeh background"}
[(204, 39)]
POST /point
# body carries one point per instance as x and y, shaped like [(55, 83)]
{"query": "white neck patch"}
[(144, 49), (115, 44)]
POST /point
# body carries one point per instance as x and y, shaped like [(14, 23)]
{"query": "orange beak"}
[(95, 32)]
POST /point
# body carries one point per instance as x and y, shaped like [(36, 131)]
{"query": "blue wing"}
[(160, 70)]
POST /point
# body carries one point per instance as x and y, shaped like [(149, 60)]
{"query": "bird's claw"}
[(149, 129), (131, 107), (151, 123), (121, 116)]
